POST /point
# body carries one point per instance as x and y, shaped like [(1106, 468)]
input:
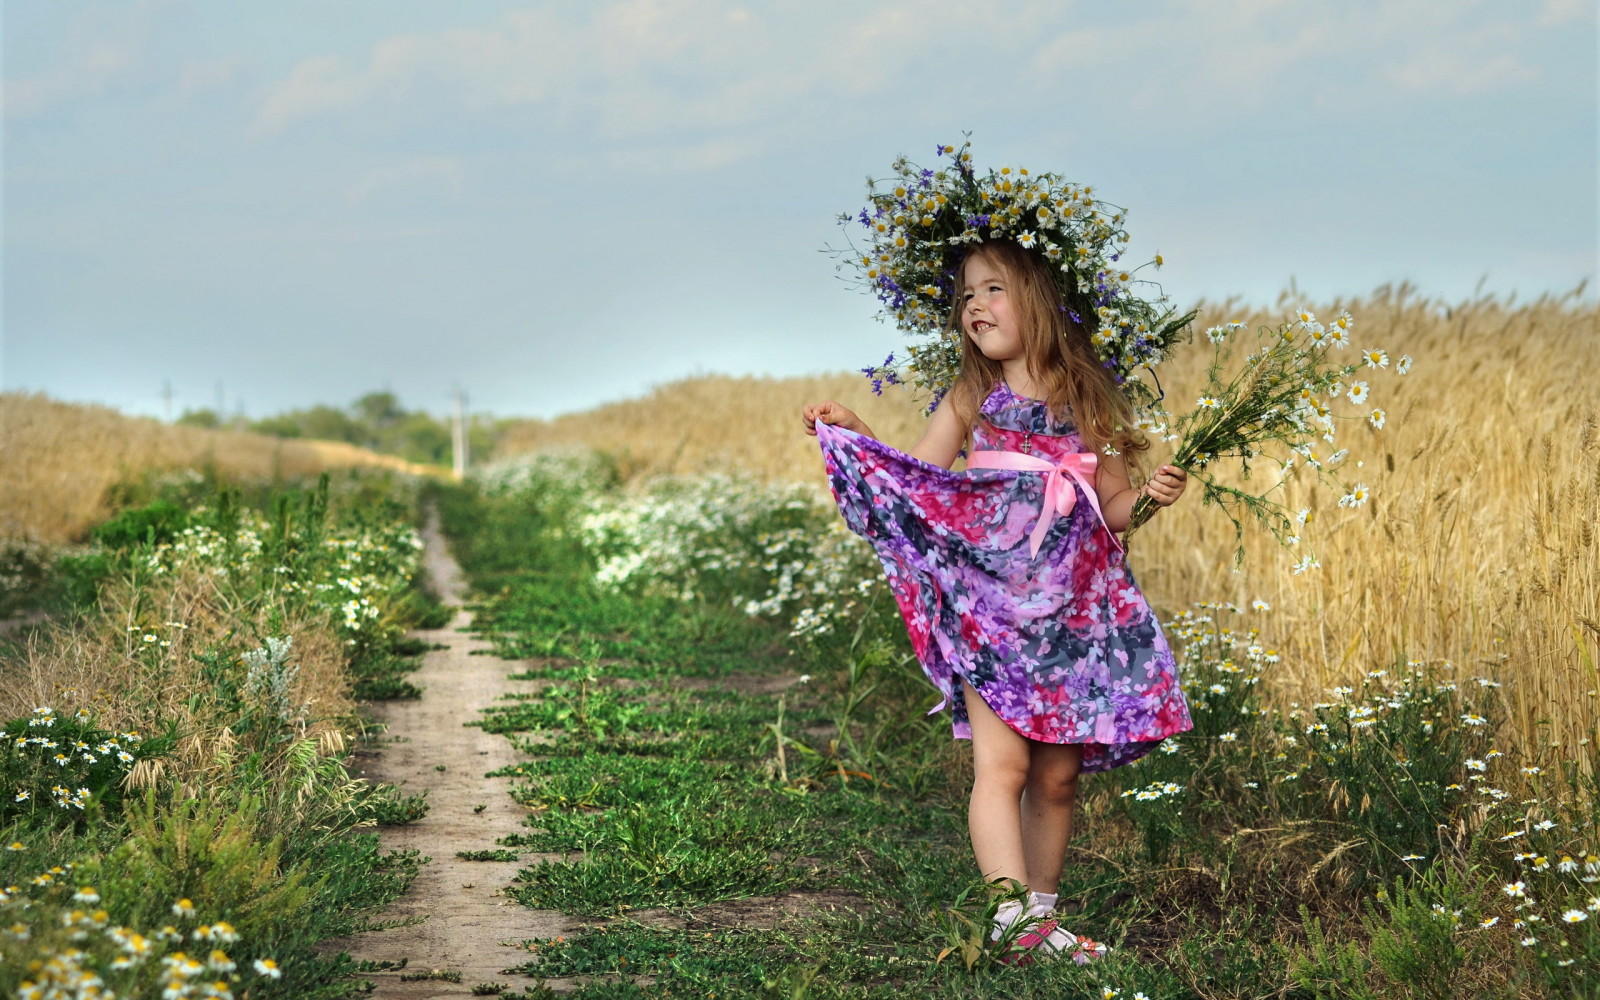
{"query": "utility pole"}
[(166, 398), (459, 439)]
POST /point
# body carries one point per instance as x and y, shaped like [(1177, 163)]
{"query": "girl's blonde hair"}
[(1060, 358)]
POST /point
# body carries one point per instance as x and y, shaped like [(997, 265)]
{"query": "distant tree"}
[(379, 409), (376, 421), (200, 418), (285, 425), (482, 438), (329, 423), (423, 439)]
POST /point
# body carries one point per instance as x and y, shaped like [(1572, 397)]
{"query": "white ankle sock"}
[(1059, 939), (1009, 913), (1039, 904)]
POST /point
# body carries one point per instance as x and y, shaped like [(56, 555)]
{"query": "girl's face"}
[(986, 312)]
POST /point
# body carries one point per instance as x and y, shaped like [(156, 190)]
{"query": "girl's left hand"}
[(1166, 486)]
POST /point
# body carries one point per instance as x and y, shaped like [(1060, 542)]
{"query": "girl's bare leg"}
[(1048, 803), (1000, 759)]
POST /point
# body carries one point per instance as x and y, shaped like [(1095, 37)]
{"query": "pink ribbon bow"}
[(1059, 496)]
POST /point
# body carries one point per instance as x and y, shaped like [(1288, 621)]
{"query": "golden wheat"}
[(57, 460), (1478, 547)]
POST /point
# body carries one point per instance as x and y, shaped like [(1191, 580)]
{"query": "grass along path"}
[(467, 919), (683, 776), (727, 828)]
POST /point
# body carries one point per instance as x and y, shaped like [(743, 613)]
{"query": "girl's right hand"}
[(829, 413)]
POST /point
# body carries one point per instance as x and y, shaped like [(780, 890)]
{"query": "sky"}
[(279, 204)]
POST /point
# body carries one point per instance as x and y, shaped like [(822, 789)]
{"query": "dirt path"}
[(428, 746)]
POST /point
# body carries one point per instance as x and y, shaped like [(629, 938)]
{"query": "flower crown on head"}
[(920, 223)]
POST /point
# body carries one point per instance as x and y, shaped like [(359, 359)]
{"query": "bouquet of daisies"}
[(1279, 404)]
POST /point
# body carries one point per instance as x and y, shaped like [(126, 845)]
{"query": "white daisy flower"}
[(1357, 496)]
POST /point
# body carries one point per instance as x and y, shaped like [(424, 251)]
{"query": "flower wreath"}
[(919, 223)]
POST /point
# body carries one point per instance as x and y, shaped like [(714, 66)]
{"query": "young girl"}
[(1010, 577)]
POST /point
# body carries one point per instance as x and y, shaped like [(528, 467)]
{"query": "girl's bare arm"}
[(1117, 494), (941, 441), (939, 445)]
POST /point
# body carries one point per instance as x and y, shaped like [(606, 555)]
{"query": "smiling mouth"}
[(981, 325)]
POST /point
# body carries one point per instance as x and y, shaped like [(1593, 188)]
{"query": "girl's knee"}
[(1053, 773), (998, 768), (1057, 784)]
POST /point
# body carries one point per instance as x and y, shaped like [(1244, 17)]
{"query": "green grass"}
[(1341, 850), (381, 675), (257, 835), (497, 854), (670, 795)]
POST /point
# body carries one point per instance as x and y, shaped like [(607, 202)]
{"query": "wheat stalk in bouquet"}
[(1278, 407)]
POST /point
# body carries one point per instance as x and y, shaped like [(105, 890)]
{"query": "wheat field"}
[(58, 461), (1478, 547)]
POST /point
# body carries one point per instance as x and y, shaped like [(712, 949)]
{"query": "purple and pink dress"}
[(1007, 576)]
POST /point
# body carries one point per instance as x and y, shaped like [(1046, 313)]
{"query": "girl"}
[(1020, 605)]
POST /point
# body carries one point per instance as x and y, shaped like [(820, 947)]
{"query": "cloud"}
[(638, 67), (1559, 12), (1200, 61), (87, 72), (1468, 66), (211, 74), (693, 156), (511, 64), (106, 46), (673, 82), (424, 171)]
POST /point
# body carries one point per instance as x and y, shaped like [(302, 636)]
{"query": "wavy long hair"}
[(1060, 357)]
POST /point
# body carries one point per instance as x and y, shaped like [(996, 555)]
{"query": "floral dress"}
[(1060, 644)]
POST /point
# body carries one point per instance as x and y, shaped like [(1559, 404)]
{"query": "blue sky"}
[(554, 205)]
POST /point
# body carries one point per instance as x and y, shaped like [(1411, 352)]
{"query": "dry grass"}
[(722, 422), (1478, 547), (101, 663), (57, 461)]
